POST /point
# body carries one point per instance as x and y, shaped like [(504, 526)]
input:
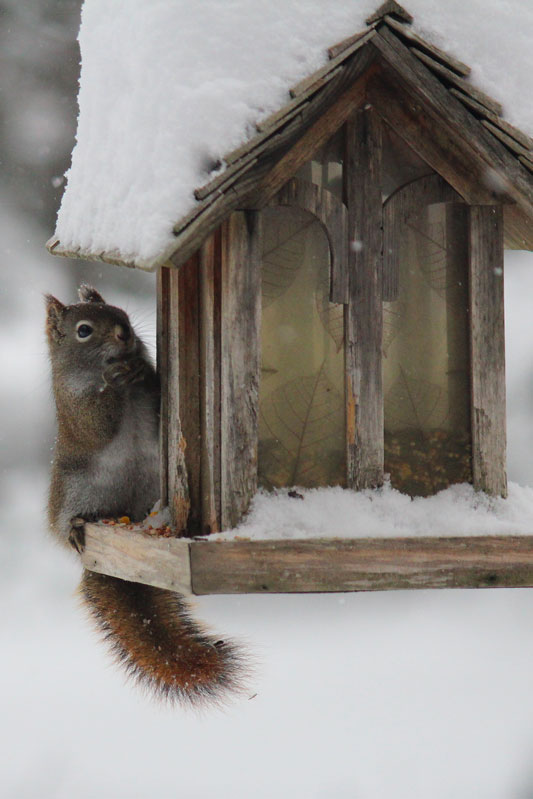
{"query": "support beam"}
[(240, 362), (487, 349), (364, 316)]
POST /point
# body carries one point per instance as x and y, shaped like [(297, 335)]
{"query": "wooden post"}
[(163, 309), (240, 362), (189, 377), (210, 383), (364, 318), (487, 349), (178, 489)]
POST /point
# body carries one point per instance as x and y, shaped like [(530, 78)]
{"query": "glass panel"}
[(325, 168), (301, 400), (426, 355)]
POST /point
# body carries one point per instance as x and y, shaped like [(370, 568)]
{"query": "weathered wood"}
[(222, 181), (209, 385), (509, 141), (442, 131), (178, 489), (189, 388), (364, 318), (320, 565), (240, 363), (134, 555), (392, 9), (450, 77), (315, 137), (408, 34), (343, 45), (163, 311), (361, 564), (396, 209), (482, 111), (487, 349), (283, 154), (328, 68), (334, 216)]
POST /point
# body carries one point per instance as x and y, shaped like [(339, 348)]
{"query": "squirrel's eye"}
[(83, 330)]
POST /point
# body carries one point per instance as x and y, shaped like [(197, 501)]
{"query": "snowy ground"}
[(407, 694)]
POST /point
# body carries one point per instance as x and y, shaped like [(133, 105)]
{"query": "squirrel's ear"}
[(54, 313), (88, 294)]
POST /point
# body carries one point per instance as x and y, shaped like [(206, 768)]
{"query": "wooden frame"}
[(308, 566)]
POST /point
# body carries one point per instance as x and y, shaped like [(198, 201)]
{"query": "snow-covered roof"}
[(169, 89)]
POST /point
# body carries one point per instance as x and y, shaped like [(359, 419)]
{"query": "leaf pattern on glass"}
[(331, 313), (416, 404), (301, 434), (393, 313), (283, 253)]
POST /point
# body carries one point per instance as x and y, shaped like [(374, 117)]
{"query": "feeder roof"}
[(184, 108)]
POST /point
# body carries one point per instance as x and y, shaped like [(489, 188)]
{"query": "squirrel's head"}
[(89, 331)]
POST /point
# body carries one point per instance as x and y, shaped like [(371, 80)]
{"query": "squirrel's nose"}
[(122, 332)]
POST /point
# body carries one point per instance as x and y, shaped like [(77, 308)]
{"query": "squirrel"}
[(106, 465)]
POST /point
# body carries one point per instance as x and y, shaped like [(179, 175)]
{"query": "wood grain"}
[(487, 349), (136, 556), (299, 566), (363, 316), (240, 363)]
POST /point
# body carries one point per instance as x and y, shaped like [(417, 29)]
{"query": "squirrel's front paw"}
[(120, 373), (76, 536)]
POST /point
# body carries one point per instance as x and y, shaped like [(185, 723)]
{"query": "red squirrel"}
[(106, 465)]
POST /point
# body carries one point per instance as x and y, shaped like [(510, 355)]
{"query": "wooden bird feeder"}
[(333, 312)]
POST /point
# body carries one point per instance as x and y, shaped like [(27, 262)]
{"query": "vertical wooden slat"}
[(487, 349), (240, 362), (209, 385), (163, 301), (189, 370), (178, 491), (364, 318)]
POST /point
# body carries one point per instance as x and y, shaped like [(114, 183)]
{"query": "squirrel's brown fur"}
[(106, 464)]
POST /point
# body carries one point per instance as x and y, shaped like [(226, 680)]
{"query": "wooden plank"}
[(450, 77), (392, 9), (328, 68), (163, 310), (317, 565), (240, 363), (209, 386), (226, 177), (509, 141), (364, 318), (316, 135), (369, 564), (422, 97), (334, 216), (178, 489), (482, 111), (283, 154), (408, 34), (487, 349), (445, 148), (131, 554), (189, 388)]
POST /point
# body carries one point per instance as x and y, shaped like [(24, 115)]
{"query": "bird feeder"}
[(333, 313)]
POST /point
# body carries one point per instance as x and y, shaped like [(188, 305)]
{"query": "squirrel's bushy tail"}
[(151, 633)]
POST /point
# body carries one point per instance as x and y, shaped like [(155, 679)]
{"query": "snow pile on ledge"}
[(385, 513), (170, 86)]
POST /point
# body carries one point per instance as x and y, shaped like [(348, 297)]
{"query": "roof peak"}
[(392, 9)]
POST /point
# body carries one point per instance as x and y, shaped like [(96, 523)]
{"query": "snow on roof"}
[(168, 87)]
